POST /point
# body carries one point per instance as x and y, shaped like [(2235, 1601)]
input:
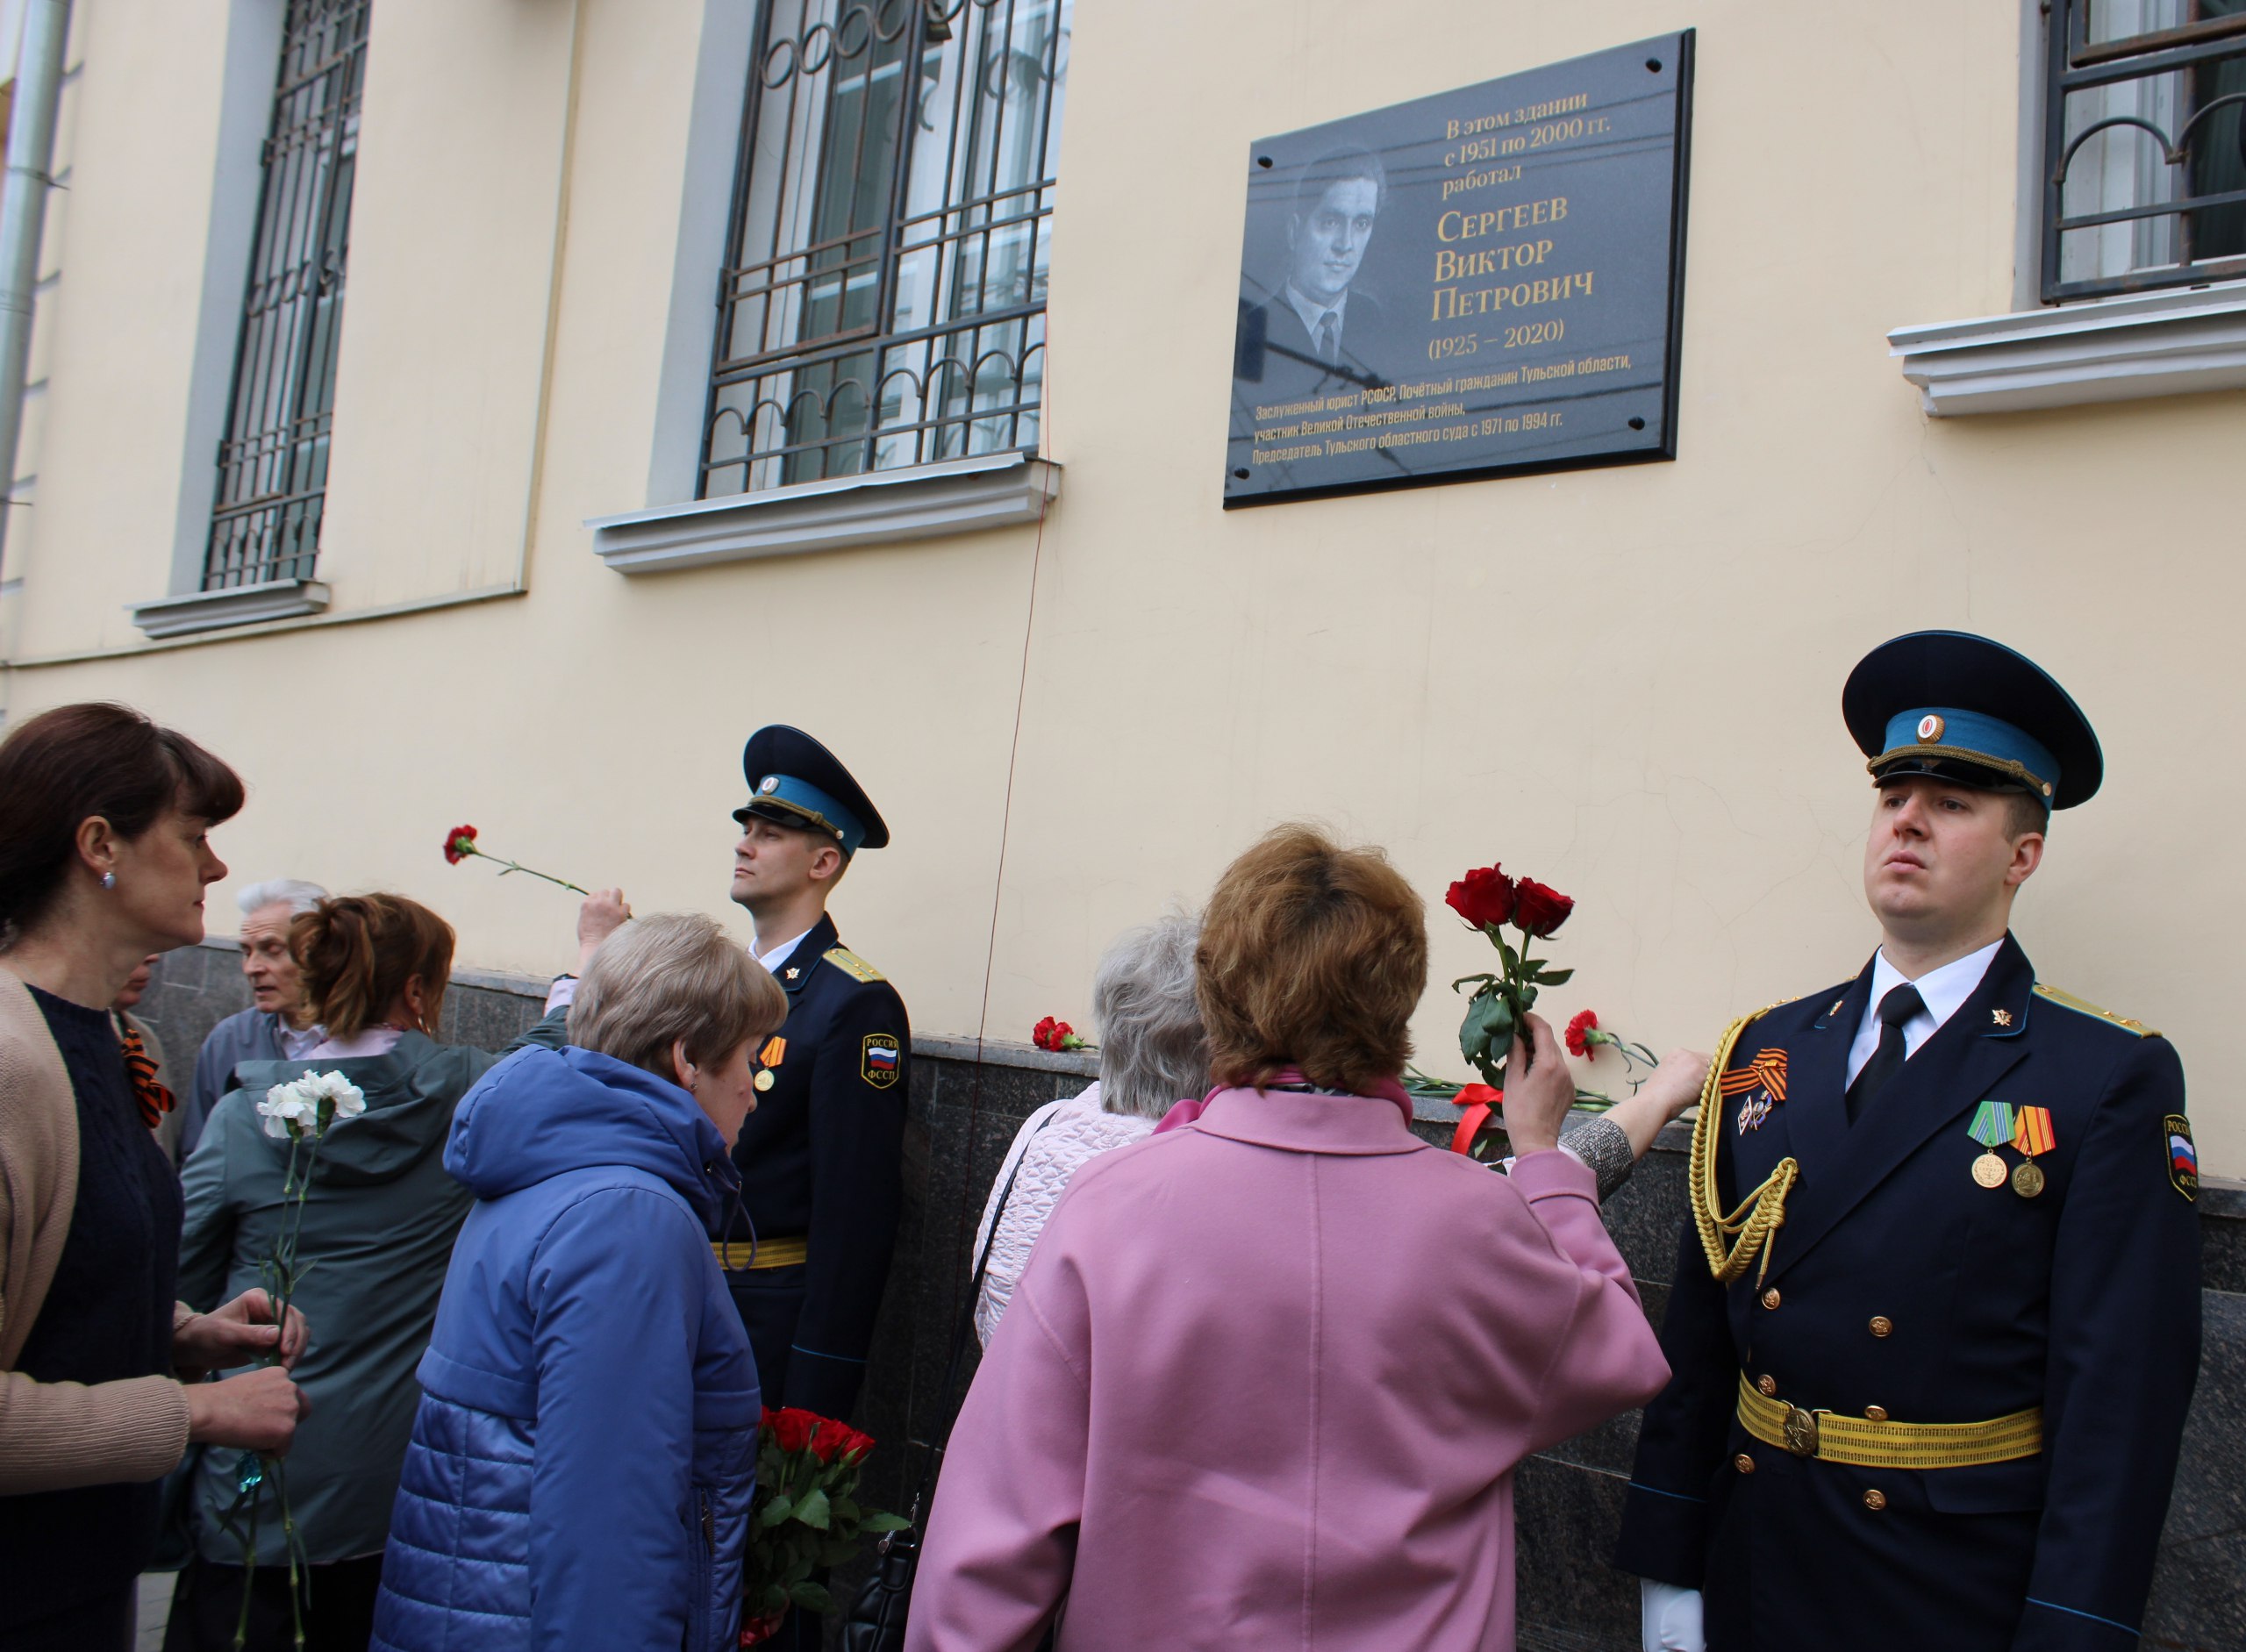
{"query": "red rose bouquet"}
[(1490, 901), (805, 1517)]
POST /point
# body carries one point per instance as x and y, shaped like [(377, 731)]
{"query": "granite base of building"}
[(968, 1100)]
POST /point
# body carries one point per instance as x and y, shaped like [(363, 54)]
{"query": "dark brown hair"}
[(2024, 813), (356, 952), (64, 767), (1312, 955)]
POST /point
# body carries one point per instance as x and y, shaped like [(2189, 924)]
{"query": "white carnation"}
[(350, 1101), (294, 1108)]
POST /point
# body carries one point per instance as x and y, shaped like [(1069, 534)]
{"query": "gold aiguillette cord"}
[(1734, 1241)]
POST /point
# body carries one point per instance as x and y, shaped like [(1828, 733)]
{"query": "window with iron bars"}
[(273, 461), (883, 302), (2144, 125)]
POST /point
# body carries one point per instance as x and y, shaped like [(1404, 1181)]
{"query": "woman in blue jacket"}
[(585, 1448)]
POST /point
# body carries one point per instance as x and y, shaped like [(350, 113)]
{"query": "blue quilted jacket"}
[(585, 1448)]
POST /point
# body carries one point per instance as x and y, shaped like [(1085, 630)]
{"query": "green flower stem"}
[(513, 866)]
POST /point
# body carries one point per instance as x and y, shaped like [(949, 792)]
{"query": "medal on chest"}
[(1992, 1127), (1763, 1082), (2027, 1131), (775, 1051), (2031, 1135)]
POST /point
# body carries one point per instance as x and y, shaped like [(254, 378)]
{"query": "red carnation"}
[(1583, 1022), (1484, 898), (1541, 909), (1043, 1035), (460, 843)]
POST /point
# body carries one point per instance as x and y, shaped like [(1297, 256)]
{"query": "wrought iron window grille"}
[(2144, 142), (273, 461), (882, 304)]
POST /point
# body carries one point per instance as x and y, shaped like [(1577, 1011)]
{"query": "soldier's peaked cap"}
[(795, 781), (1970, 710)]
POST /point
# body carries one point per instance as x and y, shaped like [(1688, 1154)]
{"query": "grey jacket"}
[(378, 1226), (247, 1035)]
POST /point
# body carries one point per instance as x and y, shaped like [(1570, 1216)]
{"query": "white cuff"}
[(562, 994)]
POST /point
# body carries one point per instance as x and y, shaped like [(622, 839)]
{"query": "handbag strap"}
[(966, 1320)]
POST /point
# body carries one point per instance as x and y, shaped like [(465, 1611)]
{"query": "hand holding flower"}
[(600, 915), (237, 1334), (1675, 1086), (258, 1411), (1538, 1090)]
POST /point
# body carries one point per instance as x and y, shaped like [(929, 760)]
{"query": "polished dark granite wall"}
[(962, 1114)]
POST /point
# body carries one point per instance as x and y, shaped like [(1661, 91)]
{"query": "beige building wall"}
[(1624, 681)]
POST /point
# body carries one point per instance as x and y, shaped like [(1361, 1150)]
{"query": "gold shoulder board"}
[(2083, 1006), (852, 965)]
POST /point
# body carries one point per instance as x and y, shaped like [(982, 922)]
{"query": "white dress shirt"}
[(778, 955), (295, 1046), (1944, 992)]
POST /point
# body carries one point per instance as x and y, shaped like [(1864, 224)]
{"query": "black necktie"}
[(1899, 1006)]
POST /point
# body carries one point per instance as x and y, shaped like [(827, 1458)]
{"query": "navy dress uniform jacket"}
[(820, 1159), (1897, 1281)]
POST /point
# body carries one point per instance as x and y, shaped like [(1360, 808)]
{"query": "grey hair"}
[(1153, 1049), (292, 892), (673, 977)]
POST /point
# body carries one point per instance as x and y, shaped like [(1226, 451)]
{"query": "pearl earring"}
[(108, 880)]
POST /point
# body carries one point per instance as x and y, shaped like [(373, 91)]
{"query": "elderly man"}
[(275, 1026)]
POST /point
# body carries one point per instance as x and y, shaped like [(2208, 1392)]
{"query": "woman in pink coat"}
[(1267, 1378)]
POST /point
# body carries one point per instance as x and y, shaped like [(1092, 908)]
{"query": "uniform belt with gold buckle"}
[(1830, 1437), (736, 1254)]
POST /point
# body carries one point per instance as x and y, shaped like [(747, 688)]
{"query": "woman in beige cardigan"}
[(105, 854)]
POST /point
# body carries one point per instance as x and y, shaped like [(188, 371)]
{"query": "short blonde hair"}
[(669, 976), (1312, 955)]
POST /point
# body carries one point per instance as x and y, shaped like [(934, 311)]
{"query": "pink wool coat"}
[(1264, 1384)]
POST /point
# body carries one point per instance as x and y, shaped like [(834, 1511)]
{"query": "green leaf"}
[(777, 1510), (1558, 977), (838, 1551), (878, 1521), (1530, 966), (813, 1512), (812, 1597), (775, 1598), (1511, 958), (843, 1511), (1485, 980)]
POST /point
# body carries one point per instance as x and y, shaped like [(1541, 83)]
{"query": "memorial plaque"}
[(1485, 281)]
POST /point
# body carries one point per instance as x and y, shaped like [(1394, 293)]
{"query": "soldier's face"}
[(773, 862), (1942, 855), (1329, 244)]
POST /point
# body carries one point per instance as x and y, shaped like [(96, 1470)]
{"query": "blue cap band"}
[(801, 798), (1946, 731)]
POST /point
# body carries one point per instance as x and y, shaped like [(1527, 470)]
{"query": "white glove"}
[(1669, 1618)]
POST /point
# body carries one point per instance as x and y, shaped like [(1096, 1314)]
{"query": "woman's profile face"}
[(726, 1091), (161, 878)]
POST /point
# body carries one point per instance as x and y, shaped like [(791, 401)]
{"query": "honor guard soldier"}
[(1935, 1318), (819, 1157)]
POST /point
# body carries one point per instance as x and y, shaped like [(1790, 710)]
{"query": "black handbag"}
[(877, 1620)]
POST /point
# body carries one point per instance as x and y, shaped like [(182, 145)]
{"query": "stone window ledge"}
[(239, 606), (2171, 343), (962, 495)]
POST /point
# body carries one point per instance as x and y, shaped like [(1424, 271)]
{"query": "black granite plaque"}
[(1482, 282)]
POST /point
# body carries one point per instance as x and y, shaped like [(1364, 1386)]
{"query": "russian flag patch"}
[(879, 1059), (2183, 1155)]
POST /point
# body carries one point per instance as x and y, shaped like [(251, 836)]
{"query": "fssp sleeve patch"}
[(878, 1059), (2183, 1156)]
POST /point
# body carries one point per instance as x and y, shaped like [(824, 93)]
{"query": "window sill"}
[(2173, 343), (241, 605), (962, 496)]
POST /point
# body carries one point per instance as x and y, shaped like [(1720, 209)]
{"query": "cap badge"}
[(1929, 728), (770, 783)]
